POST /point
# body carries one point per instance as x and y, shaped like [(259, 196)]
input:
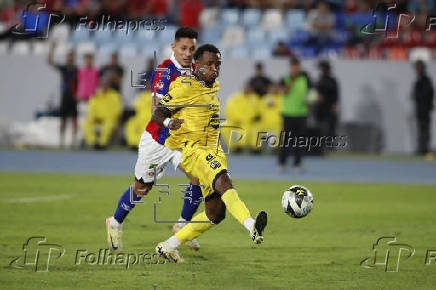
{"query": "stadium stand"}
[(245, 29)]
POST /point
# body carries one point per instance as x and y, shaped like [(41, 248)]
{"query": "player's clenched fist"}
[(175, 124)]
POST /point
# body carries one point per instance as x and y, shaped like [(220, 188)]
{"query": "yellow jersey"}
[(198, 105)]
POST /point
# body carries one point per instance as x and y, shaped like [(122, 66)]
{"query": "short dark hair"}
[(324, 65), (420, 62), (294, 61), (205, 47), (186, 32)]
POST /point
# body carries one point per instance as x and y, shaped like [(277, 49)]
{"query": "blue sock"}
[(192, 201), (124, 205)]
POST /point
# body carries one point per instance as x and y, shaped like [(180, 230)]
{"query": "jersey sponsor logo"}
[(215, 164), (153, 165), (214, 121), (167, 98), (209, 157)]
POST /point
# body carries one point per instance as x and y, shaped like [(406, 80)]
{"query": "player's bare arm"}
[(162, 116)]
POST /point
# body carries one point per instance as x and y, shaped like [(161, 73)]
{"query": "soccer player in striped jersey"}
[(153, 155)]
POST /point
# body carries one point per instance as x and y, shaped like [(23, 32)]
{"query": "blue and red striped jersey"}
[(161, 80)]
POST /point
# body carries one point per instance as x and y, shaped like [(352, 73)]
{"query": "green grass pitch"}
[(321, 251)]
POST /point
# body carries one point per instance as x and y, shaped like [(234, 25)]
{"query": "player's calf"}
[(237, 208), (114, 224)]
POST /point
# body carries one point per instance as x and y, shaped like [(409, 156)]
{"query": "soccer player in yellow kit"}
[(194, 101)]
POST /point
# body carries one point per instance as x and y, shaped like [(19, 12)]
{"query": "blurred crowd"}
[(281, 111), (306, 28), (91, 97)]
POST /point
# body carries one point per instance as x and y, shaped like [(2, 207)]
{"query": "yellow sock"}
[(193, 230), (235, 206)]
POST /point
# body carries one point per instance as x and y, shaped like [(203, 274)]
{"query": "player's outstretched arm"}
[(162, 117)]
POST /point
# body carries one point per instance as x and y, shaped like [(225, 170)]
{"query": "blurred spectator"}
[(144, 78), (87, 79), (259, 82), (68, 104), (321, 23), (423, 97), (138, 9), (421, 6), (327, 102), (114, 71), (159, 7), (351, 6), (190, 11), (241, 4), (245, 124), (291, 4), (103, 112), (307, 5), (115, 8), (75, 9), (282, 50), (135, 125), (11, 15), (294, 112), (270, 108), (354, 23)]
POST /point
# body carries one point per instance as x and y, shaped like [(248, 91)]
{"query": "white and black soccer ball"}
[(297, 201)]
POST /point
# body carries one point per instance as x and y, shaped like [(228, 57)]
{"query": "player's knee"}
[(216, 218), (215, 209), (141, 188), (223, 183)]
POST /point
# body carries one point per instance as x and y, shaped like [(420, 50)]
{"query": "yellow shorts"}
[(207, 164)]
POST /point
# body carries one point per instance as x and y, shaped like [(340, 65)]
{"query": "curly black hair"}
[(205, 47)]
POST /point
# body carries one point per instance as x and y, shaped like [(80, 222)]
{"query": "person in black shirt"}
[(328, 97), (115, 72), (68, 105), (259, 82), (423, 97)]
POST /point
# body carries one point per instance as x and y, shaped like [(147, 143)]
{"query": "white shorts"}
[(153, 158)]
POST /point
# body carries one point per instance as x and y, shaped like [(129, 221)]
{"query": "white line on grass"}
[(38, 199)]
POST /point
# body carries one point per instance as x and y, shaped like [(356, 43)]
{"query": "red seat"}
[(398, 53), (412, 38), (430, 38), (352, 53), (375, 53)]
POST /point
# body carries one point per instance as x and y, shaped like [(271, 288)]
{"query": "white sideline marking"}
[(38, 199)]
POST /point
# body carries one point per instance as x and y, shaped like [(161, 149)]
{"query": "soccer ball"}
[(297, 201)]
